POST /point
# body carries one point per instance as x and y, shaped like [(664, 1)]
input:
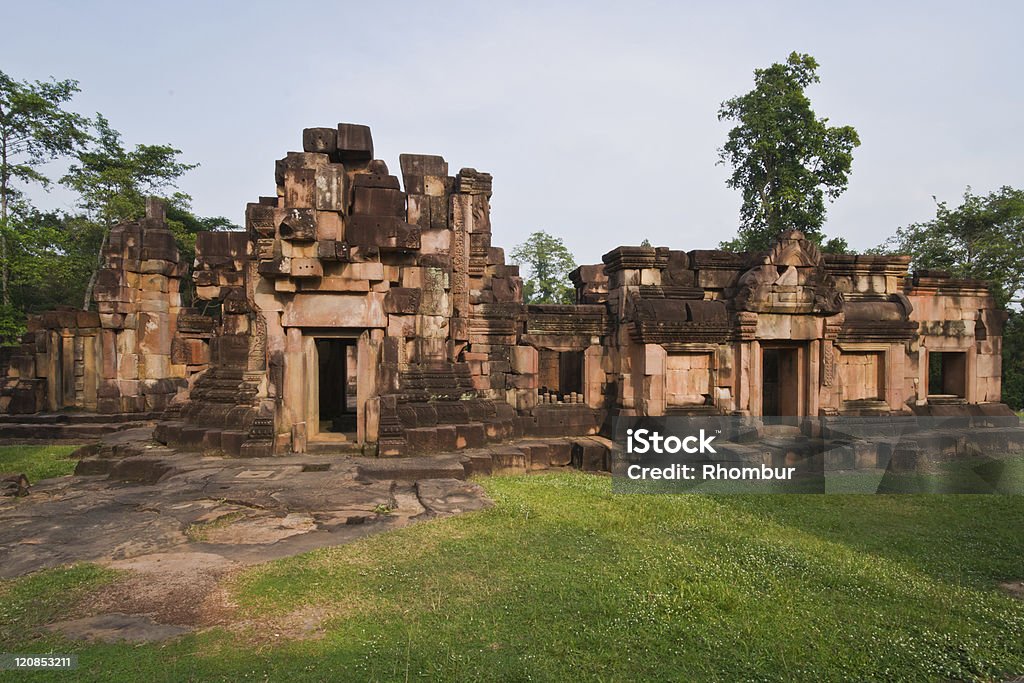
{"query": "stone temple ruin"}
[(357, 312)]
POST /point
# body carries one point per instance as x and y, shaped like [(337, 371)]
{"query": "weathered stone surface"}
[(402, 300), (298, 224), (335, 310), (375, 201), (354, 142), (320, 140)]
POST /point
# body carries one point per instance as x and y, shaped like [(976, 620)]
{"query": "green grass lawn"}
[(564, 581), (38, 462)]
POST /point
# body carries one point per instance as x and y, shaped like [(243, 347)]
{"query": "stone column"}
[(813, 377)]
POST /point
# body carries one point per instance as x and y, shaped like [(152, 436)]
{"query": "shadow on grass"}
[(972, 539)]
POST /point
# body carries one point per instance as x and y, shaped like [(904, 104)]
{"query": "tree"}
[(1013, 360), (785, 160), (113, 182), (550, 263), (34, 129), (983, 238)]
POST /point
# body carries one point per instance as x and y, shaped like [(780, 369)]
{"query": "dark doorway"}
[(947, 374), (780, 381), (336, 380), (570, 372)]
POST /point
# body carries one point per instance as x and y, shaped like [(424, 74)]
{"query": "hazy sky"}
[(597, 120)]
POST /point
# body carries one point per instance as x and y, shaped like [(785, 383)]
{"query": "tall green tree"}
[(34, 129), (549, 262), (113, 182), (785, 159)]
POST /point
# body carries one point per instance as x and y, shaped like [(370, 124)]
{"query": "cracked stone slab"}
[(451, 496), (249, 510), (116, 627)]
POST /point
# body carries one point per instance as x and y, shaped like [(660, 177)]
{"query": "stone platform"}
[(177, 524), (75, 427), (132, 496)]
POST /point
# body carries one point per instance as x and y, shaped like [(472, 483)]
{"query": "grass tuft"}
[(38, 462)]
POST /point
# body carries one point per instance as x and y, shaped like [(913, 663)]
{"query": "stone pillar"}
[(754, 377), (813, 376), (649, 379), (593, 376), (367, 359), (294, 380)]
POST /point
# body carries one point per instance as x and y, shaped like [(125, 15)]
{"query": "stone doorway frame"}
[(311, 372), (801, 382)]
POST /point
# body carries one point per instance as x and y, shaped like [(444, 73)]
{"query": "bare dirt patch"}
[(1014, 588), (178, 588)]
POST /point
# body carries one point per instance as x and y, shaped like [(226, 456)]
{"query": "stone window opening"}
[(561, 376), (947, 374)]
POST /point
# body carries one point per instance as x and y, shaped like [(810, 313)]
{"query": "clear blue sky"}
[(598, 120)]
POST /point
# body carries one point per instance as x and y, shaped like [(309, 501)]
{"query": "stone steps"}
[(333, 448), (64, 431), (145, 462), (76, 418)]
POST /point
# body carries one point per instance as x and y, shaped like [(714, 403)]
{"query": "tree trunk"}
[(95, 271), (4, 268)]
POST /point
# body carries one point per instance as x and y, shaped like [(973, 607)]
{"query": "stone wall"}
[(130, 355), (407, 277), (346, 265)]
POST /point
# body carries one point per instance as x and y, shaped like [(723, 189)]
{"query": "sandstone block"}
[(373, 201), (335, 310), (402, 326), (300, 188), (354, 142), (418, 210), (402, 300), (382, 232), (380, 180), (330, 194), (423, 164), (330, 226), (298, 225), (306, 268), (320, 140), (260, 219), (435, 241), (439, 212)]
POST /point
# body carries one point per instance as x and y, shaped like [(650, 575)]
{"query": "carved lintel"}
[(746, 325)]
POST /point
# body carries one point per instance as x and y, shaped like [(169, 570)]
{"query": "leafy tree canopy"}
[(785, 159), (549, 262), (34, 129), (113, 182), (50, 258), (983, 238)]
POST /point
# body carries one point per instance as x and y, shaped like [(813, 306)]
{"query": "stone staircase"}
[(68, 426), (220, 416)]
